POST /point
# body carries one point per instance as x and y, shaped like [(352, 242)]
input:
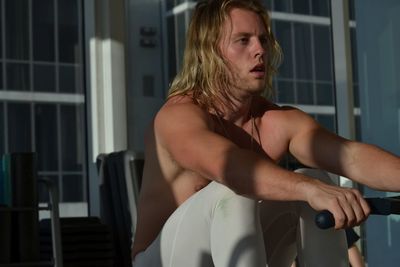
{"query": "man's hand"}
[(347, 205)]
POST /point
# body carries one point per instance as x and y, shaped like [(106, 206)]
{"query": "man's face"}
[(243, 45)]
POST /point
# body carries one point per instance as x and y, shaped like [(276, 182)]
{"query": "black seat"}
[(120, 178)]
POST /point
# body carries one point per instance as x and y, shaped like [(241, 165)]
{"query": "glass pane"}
[(323, 53), (173, 3), (171, 48), (305, 93), (181, 37), (46, 136), (327, 121), (2, 129), (68, 23), (285, 92), (356, 92), (378, 52), (352, 12), (301, 7), (170, 4), (69, 79), (1, 75), (17, 29), (44, 78), (320, 8), (283, 32), (43, 193), (18, 76), (358, 127), (282, 5), (43, 30), (19, 127), (354, 65), (268, 4), (1, 31), (72, 137), (325, 94), (354, 59), (72, 188), (303, 51)]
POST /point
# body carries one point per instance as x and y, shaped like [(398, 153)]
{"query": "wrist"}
[(304, 188)]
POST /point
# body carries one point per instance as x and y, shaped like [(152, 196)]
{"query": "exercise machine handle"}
[(379, 206)]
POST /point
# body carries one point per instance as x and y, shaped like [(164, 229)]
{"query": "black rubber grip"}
[(379, 206), (324, 219)]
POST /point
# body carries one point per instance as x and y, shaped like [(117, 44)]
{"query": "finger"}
[(364, 205), (355, 199), (348, 208), (339, 215), (340, 219), (360, 206)]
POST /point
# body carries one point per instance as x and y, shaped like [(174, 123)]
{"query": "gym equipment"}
[(379, 206)]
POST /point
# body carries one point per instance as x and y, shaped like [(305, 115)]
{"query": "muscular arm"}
[(363, 163), (186, 132)]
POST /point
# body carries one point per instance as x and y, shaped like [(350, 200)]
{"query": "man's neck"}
[(238, 111)]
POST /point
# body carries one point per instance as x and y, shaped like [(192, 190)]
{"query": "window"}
[(282, 5), (19, 125), (42, 97), (305, 77), (283, 32), (320, 8), (46, 131), (2, 126), (43, 25), (301, 7), (172, 65)]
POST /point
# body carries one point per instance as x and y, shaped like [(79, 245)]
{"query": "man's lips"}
[(258, 70)]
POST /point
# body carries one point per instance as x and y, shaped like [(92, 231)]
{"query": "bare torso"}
[(166, 185)]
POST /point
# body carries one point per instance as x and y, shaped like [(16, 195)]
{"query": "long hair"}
[(204, 71)]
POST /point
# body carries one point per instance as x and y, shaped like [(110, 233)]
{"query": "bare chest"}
[(254, 136)]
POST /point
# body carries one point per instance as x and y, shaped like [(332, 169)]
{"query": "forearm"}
[(372, 166), (355, 257), (259, 177)]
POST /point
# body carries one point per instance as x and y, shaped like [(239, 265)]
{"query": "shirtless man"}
[(213, 193)]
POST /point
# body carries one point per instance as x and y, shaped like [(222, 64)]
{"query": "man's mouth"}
[(258, 69)]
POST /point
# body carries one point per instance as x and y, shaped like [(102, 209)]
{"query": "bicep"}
[(316, 147), (188, 136)]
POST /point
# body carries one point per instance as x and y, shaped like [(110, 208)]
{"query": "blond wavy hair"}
[(204, 74)]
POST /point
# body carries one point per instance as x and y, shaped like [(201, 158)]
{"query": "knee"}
[(225, 200)]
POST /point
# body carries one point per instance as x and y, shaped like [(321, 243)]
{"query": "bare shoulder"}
[(179, 122), (284, 114), (178, 104), (284, 120), (180, 111)]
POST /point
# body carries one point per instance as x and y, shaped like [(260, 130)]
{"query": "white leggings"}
[(216, 227)]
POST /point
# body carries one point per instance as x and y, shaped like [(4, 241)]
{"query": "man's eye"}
[(263, 40), (244, 40)]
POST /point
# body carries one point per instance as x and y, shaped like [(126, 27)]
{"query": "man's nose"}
[(259, 49)]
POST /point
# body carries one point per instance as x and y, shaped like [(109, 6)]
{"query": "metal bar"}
[(42, 97), (343, 68), (55, 222)]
